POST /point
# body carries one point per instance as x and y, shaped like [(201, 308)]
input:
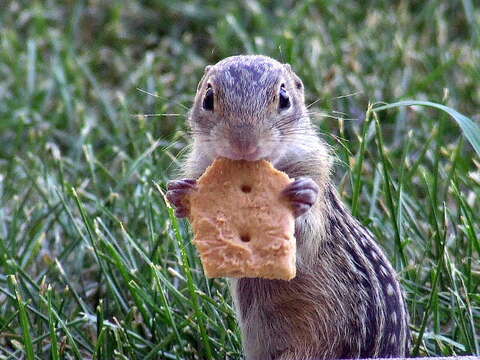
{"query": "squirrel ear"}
[(205, 72), (296, 79)]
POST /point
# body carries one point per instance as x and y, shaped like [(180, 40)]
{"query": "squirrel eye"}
[(284, 100), (208, 99)]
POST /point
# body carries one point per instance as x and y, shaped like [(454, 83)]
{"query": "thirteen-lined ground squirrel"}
[(345, 301)]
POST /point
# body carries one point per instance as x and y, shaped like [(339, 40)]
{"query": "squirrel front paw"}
[(176, 192), (302, 194)]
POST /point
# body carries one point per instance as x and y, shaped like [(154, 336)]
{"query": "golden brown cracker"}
[(243, 226)]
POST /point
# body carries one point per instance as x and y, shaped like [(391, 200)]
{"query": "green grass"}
[(93, 264)]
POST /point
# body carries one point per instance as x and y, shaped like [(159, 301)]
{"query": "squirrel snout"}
[(243, 143), (243, 148)]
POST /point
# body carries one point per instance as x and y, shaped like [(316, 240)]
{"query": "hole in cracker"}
[(245, 238), (246, 188)]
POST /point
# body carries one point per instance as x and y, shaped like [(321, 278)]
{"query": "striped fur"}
[(347, 305), (345, 301)]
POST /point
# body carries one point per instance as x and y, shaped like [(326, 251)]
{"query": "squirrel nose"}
[(243, 141), (243, 146), (247, 148)]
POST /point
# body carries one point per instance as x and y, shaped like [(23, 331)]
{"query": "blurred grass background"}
[(93, 100)]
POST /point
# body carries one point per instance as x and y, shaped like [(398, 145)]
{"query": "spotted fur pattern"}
[(345, 301)]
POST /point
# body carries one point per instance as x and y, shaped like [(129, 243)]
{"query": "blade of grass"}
[(469, 128), (190, 283), (389, 192), (55, 353), (27, 337), (359, 163)]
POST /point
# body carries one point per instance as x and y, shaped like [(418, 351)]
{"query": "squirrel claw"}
[(176, 192), (302, 194)]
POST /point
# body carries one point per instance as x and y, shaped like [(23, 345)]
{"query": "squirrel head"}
[(249, 107)]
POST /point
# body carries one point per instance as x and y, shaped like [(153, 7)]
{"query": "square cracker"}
[(242, 225)]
